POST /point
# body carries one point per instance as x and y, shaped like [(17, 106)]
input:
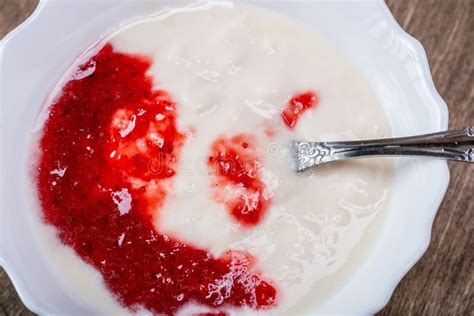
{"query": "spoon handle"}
[(452, 145)]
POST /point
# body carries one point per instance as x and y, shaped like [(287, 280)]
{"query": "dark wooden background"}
[(442, 282)]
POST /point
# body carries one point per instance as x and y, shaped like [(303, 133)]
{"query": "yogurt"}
[(165, 167)]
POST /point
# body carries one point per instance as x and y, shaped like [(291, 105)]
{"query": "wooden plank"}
[(442, 282)]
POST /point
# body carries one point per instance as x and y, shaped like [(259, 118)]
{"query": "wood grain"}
[(442, 282)]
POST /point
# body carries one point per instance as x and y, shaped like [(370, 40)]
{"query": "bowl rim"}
[(444, 120), (20, 286), (32, 303)]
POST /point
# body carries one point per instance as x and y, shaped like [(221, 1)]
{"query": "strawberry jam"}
[(109, 152), (236, 180), (297, 105)]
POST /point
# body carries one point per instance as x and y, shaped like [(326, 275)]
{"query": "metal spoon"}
[(452, 145)]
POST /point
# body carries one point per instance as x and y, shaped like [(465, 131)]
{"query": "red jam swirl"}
[(236, 178), (296, 106), (109, 153)]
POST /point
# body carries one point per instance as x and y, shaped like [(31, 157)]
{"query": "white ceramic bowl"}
[(36, 54)]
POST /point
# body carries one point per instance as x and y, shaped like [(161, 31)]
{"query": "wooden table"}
[(442, 282)]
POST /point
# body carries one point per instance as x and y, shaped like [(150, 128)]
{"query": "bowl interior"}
[(36, 55)]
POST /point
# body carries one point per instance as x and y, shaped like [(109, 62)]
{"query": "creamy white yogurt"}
[(231, 69)]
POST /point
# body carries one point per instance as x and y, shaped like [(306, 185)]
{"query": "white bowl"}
[(36, 54)]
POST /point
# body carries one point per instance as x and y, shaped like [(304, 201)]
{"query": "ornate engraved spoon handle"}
[(452, 145)]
